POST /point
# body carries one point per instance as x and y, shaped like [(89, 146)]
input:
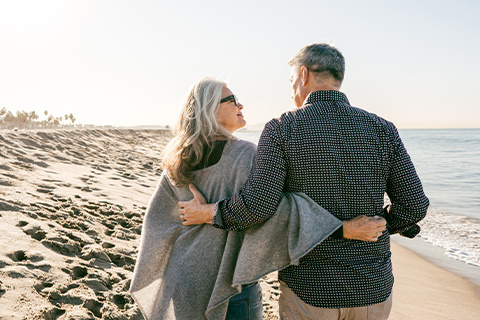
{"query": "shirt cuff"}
[(217, 220)]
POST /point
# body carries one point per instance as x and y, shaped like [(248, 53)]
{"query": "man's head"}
[(318, 66)]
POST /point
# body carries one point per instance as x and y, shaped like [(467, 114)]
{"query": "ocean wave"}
[(458, 235)]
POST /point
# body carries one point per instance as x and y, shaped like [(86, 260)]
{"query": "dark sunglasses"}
[(230, 98)]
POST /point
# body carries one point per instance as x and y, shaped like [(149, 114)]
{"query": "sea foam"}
[(458, 235)]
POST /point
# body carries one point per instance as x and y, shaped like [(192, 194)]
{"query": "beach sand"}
[(425, 291), (71, 209)]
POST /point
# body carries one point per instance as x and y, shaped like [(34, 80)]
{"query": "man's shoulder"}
[(289, 117), (285, 119), (374, 120), (373, 117), (288, 120)]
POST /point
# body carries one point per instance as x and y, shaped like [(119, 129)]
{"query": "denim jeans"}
[(247, 305)]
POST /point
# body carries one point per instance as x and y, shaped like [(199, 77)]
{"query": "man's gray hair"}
[(321, 58)]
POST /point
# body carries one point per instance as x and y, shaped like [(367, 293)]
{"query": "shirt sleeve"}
[(408, 201), (262, 192)]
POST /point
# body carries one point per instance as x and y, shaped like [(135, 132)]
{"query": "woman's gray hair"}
[(195, 128), (321, 58)]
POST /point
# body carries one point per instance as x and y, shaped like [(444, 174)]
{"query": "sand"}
[(425, 291), (71, 209)]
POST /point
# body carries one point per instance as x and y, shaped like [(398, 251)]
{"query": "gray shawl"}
[(191, 272)]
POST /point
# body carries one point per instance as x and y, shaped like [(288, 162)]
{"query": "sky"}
[(126, 63)]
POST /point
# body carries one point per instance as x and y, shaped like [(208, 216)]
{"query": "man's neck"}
[(313, 86), (323, 87)]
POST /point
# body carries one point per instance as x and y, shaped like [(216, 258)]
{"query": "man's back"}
[(345, 159), (338, 155)]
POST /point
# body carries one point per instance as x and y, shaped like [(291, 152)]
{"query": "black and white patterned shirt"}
[(345, 159)]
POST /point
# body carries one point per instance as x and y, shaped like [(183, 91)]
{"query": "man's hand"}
[(364, 228), (195, 211)]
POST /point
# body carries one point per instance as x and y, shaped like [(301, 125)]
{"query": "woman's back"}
[(194, 253)]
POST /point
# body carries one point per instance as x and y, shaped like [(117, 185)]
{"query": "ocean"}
[(448, 164)]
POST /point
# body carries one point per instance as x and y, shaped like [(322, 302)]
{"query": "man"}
[(345, 159)]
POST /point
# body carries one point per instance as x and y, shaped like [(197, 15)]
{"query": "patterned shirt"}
[(345, 159)]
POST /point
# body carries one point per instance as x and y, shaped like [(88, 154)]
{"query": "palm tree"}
[(22, 118), (32, 116), (9, 119), (3, 111), (50, 121), (72, 118), (57, 121)]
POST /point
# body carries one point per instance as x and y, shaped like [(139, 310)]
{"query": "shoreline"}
[(437, 256)]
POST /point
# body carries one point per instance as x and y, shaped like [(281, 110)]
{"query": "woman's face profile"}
[(229, 115)]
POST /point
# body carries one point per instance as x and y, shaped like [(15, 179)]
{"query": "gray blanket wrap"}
[(191, 272)]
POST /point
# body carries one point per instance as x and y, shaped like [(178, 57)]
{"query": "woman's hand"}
[(195, 211), (364, 228)]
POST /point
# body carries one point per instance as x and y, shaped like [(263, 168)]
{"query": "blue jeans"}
[(247, 305)]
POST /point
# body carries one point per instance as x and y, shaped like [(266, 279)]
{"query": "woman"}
[(196, 147), (200, 272)]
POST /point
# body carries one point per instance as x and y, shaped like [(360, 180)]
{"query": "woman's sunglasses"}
[(230, 98)]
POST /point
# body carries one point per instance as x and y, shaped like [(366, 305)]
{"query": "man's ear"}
[(304, 75)]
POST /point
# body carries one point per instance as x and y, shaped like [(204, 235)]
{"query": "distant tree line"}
[(30, 120)]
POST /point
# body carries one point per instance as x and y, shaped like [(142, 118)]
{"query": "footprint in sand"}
[(94, 306), (79, 272), (107, 245), (51, 180), (4, 262), (58, 198), (6, 183), (36, 232), (90, 179), (18, 255), (53, 313), (42, 284), (4, 167), (62, 244), (40, 156), (121, 299), (45, 206), (29, 259), (43, 188)]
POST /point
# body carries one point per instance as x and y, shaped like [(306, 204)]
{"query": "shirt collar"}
[(329, 95)]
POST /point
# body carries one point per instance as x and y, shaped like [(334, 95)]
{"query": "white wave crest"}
[(458, 235)]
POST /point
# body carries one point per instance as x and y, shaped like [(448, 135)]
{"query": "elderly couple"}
[(308, 201)]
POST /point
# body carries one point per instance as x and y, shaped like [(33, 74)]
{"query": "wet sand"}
[(425, 291)]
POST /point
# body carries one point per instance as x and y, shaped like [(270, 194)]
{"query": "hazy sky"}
[(118, 62)]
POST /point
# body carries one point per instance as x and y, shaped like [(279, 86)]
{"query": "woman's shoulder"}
[(242, 146)]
